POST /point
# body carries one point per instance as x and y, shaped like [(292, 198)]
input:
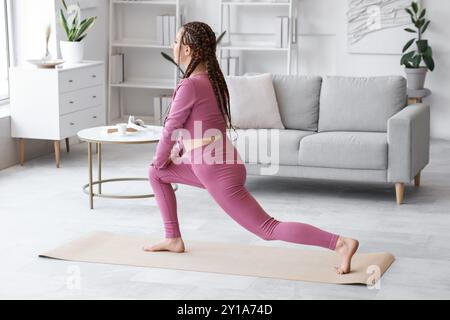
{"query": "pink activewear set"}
[(193, 101)]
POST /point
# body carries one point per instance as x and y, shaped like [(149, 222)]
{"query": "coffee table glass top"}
[(100, 134)]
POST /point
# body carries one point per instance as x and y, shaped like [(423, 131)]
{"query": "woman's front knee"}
[(153, 173), (265, 231)]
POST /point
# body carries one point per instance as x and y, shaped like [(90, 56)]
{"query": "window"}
[(4, 53)]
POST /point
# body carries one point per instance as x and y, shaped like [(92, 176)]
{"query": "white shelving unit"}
[(232, 43), (132, 31)]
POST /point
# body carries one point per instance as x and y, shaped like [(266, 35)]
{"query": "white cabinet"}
[(54, 104)]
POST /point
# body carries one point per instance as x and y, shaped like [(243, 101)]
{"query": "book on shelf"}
[(172, 31), (117, 68), (230, 65), (282, 32), (278, 31), (165, 29), (157, 110), (160, 107), (159, 30), (285, 37), (166, 99), (233, 66), (224, 65)]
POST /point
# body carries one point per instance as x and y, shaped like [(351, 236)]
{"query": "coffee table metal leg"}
[(91, 196), (99, 160)]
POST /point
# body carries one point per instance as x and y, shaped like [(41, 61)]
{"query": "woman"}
[(202, 97)]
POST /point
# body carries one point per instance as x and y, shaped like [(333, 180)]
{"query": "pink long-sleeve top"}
[(193, 100)]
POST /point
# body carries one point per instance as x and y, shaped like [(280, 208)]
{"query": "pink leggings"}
[(225, 183)]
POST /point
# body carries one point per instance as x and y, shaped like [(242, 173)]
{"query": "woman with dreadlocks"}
[(202, 98)]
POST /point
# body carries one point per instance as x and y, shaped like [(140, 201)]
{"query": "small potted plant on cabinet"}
[(72, 49)]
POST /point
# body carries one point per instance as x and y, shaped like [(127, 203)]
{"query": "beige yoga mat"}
[(238, 259)]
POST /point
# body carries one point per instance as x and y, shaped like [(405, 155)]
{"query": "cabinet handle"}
[(94, 97), (95, 117), (71, 102), (94, 76), (70, 80), (72, 123)]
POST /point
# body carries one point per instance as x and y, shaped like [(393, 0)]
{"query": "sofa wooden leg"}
[(399, 192), (417, 180), (57, 146), (22, 151)]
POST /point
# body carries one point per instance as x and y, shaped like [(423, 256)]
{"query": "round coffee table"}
[(99, 136)]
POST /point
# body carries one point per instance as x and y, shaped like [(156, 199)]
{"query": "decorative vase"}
[(72, 51), (416, 77)]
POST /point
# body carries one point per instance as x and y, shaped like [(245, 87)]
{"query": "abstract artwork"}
[(376, 26)]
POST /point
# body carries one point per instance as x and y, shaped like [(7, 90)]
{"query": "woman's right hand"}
[(174, 154)]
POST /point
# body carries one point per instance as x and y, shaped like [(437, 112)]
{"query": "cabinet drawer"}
[(71, 123), (78, 78), (81, 99)]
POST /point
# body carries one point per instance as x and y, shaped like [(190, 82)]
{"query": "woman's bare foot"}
[(168, 244), (346, 248)]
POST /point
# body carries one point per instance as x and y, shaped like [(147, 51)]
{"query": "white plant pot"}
[(416, 77), (72, 51)]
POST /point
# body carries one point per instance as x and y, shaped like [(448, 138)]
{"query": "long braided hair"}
[(202, 40)]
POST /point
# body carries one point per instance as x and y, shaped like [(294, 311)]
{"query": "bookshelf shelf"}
[(260, 3), (268, 47), (143, 74), (139, 43), (148, 2), (240, 43), (146, 84)]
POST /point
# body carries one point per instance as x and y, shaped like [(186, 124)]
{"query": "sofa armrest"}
[(408, 134)]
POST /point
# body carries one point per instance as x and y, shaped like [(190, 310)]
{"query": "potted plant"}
[(72, 49), (169, 58), (422, 52)]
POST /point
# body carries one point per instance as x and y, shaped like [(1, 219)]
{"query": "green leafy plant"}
[(423, 52), (75, 30), (169, 58)]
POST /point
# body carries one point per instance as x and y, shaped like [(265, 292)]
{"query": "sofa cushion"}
[(253, 104), (340, 149), (269, 146), (360, 104), (298, 100)]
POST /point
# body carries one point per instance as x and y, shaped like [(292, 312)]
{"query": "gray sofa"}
[(343, 128)]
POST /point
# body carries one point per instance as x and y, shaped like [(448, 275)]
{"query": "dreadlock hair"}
[(201, 39)]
